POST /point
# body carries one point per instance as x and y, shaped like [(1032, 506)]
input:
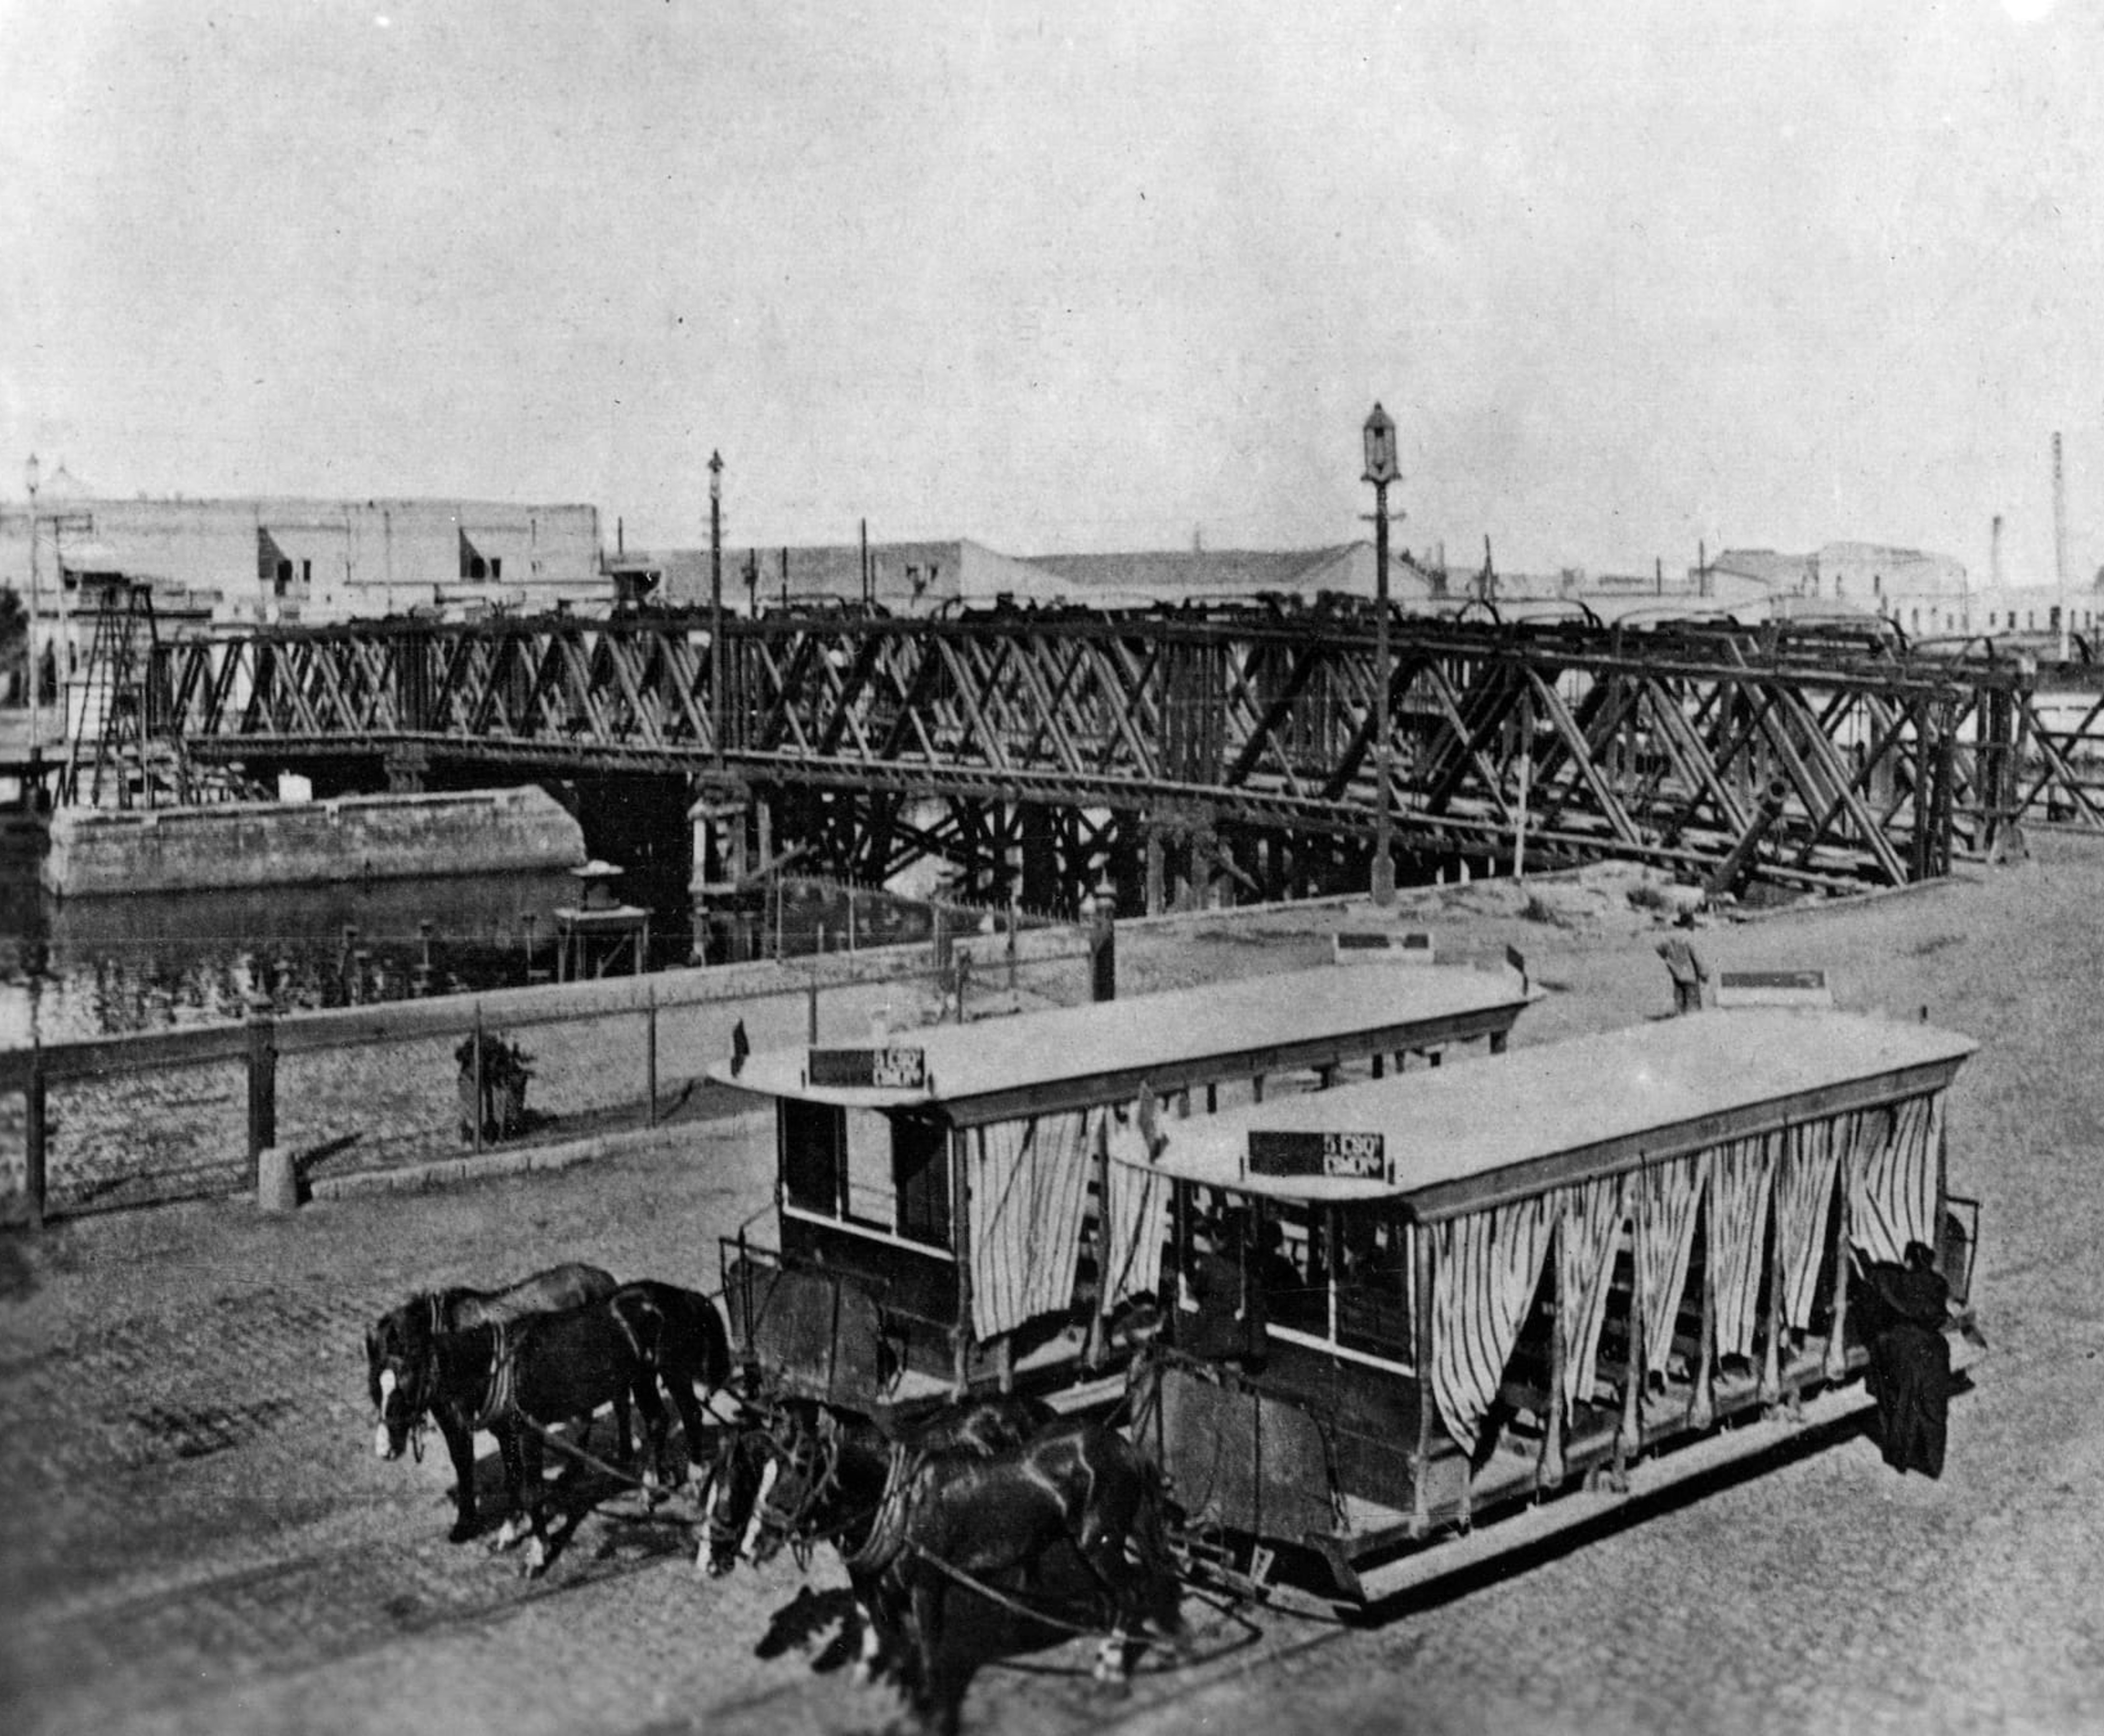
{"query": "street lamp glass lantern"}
[(32, 473), (1380, 447)]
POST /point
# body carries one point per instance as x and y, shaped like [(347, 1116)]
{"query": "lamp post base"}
[(1383, 883)]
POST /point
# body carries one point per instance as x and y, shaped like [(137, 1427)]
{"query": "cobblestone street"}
[(199, 1537)]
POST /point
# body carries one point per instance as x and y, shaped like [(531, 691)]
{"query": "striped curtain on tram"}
[(1666, 1197), (1742, 1172), (1485, 1269), (1135, 1215), (1804, 1196), (1029, 1182), (1891, 1177), (1588, 1221)]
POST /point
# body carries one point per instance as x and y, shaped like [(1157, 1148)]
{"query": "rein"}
[(992, 1594), (592, 1461)]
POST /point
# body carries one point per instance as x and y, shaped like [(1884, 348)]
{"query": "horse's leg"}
[(460, 1447), (874, 1640), (624, 1449), (927, 1621), (691, 1426), (655, 1425), (537, 1546), (510, 1451)]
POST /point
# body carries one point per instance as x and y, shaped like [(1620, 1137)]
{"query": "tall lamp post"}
[(33, 474), (1380, 472), (715, 604)]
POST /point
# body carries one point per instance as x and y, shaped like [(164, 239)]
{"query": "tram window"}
[(869, 1196), (1293, 1265), (920, 1177), (814, 1155), (1373, 1282)]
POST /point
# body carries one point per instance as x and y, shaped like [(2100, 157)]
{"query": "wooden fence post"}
[(262, 1086), (651, 1044), (33, 1130)]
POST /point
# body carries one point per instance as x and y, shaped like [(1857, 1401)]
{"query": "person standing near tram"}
[(1909, 1375)]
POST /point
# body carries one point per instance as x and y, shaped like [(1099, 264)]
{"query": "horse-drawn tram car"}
[(1425, 1322), (948, 1218)]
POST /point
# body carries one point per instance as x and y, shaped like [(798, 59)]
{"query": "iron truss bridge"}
[(1228, 744)]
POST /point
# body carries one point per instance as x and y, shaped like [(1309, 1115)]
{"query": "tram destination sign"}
[(897, 1068), (1359, 1157)]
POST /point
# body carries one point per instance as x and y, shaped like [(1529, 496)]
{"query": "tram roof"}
[(1461, 1138), (1104, 1051)]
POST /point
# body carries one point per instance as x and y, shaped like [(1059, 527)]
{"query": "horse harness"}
[(499, 1402)]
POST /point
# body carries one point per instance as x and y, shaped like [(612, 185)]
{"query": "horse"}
[(400, 1340), (812, 1476), (517, 1380), (956, 1521), (514, 1378), (681, 1338)]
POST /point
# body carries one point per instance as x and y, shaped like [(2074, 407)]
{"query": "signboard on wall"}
[(896, 1068), (1359, 1157)]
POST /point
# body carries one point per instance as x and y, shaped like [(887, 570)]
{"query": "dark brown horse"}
[(680, 1336), (400, 1340), (957, 1524), (811, 1476), (968, 1514), (518, 1379)]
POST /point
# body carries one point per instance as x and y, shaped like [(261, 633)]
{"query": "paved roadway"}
[(198, 1537)]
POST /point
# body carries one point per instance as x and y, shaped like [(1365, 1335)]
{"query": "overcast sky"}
[(1628, 275)]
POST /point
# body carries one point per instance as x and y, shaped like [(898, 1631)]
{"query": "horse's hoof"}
[(463, 1530), (536, 1558)]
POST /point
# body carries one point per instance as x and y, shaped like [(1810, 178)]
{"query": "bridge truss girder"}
[(1570, 743)]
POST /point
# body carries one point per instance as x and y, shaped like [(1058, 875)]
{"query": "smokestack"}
[(2060, 544), (1995, 553)]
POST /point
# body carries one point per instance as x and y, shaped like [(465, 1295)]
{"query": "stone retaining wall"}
[(290, 844)]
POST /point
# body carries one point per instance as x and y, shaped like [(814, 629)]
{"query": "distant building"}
[(251, 562)]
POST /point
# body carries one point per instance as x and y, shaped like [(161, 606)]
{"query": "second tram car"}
[(1477, 1307)]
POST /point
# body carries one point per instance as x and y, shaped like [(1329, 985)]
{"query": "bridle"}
[(816, 1457), (409, 1394)]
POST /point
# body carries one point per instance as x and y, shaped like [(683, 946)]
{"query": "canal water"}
[(82, 967)]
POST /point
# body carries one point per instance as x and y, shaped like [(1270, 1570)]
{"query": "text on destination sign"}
[(1358, 1156), (901, 1069)]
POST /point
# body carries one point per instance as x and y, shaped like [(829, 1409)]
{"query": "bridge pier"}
[(716, 882)]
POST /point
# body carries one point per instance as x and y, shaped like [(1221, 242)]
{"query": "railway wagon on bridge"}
[(1499, 1302), (946, 1213)]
